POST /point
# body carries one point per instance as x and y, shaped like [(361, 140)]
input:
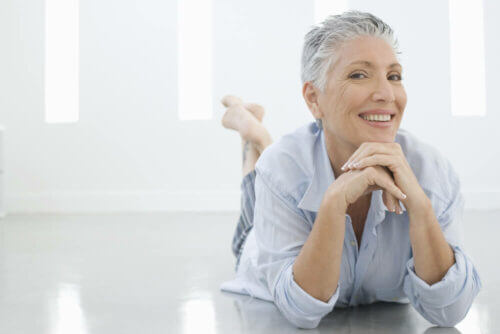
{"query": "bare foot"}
[(256, 109), (247, 121), (240, 119), (231, 100)]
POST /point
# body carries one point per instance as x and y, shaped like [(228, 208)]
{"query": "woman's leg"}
[(245, 221), (249, 156), (246, 119), (248, 148), (238, 117)]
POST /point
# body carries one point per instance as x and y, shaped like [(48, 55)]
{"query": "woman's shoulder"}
[(288, 163), (435, 173)]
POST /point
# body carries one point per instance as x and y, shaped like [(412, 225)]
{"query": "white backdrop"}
[(129, 151)]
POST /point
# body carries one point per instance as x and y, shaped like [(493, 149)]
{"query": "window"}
[(468, 86), (195, 59), (61, 61)]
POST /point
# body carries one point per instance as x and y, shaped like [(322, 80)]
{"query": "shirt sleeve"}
[(446, 303), (280, 232)]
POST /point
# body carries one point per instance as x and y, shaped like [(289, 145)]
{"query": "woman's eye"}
[(396, 76), (356, 75)]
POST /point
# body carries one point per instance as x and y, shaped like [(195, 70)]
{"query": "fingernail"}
[(403, 195)]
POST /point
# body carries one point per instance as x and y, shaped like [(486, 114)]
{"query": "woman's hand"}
[(350, 186), (390, 155)]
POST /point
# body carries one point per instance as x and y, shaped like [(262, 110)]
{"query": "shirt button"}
[(353, 242)]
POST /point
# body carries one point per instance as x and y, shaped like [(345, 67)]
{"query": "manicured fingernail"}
[(403, 195)]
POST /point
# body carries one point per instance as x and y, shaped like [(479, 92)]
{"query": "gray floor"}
[(160, 273)]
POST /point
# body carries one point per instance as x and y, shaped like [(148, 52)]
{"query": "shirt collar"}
[(323, 176)]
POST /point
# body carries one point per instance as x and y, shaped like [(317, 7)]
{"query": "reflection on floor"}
[(160, 273)]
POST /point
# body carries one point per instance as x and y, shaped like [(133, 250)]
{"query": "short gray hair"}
[(324, 39)]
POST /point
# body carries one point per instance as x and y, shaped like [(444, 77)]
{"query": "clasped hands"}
[(390, 156)]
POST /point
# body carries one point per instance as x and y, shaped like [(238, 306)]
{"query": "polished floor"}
[(160, 273)]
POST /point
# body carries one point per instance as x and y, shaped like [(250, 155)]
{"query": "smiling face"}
[(365, 77)]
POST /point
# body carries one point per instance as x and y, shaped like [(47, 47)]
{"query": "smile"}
[(378, 121)]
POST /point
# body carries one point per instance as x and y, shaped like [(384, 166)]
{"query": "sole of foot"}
[(256, 109), (242, 120)]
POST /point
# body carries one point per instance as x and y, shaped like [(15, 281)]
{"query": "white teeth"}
[(378, 118)]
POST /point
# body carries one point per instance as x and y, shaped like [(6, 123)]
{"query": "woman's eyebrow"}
[(368, 64)]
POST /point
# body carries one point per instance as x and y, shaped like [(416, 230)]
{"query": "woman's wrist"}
[(418, 205), (334, 203)]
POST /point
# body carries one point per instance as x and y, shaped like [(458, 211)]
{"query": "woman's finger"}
[(382, 179), (399, 209), (368, 149), (389, 201), (376, 159), (352, 158)]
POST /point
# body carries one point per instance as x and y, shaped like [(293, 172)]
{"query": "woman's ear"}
[(311, 94)]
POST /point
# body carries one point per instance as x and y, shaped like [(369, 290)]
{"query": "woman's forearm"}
[(317, 267), (432, 254)]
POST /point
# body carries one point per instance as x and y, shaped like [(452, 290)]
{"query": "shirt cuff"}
[(306, 303), (444, 292)]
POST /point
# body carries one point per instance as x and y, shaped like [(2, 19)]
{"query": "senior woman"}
[(349, 209)]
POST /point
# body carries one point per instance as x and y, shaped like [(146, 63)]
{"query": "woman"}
[(349, 209)]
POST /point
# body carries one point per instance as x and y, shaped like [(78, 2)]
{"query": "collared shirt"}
[(292, 177)]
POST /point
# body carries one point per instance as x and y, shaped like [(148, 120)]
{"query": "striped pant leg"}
[(245, 222)]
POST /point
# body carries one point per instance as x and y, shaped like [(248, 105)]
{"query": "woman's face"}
[(366, 76)]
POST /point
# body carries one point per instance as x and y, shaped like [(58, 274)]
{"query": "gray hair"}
[(324, 39)]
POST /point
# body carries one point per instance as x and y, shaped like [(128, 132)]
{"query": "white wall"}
[(130, 152)]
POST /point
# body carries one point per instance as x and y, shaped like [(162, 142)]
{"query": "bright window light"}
[(468, 87), (324, 8), (61, 61), (195, 59)]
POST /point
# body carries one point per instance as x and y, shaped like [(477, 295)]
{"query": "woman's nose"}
[(383, 91)]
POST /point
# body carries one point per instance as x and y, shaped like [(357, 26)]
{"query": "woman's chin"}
[(387, 137)]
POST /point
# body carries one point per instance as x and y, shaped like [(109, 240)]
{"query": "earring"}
[(319, 123)]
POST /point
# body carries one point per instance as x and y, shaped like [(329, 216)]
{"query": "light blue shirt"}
[(292, 177)]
